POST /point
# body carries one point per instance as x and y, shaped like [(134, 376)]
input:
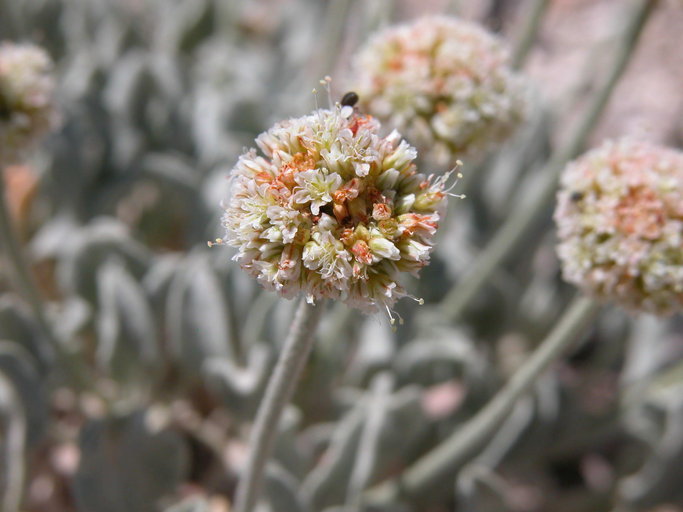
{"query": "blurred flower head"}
[(26, 106), (333, 210), (620, 225), (445, 84)]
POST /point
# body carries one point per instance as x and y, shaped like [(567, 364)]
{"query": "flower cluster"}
[(333, 210), (26, 108), (620, 225), (445, 84)]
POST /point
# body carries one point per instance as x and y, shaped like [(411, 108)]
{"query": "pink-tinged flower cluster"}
[(620, 225), (26, 107), (332, 210), (445, 84)]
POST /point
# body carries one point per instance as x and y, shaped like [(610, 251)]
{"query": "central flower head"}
[(332, 209)]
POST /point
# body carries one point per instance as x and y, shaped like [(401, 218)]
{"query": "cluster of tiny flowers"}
[(620, 225), (445, 84), (333, 210), (26, 107)]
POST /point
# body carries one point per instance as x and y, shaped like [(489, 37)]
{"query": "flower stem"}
[(278, 393), (512, 233), (529, 32), (429, 472)]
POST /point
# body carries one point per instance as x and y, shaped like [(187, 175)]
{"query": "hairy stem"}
[(278, 393), (512, 233), (430, 471)]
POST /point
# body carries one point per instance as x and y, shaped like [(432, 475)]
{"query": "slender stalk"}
[(429, 472), (529, 32), (278, 393), (512, 233)]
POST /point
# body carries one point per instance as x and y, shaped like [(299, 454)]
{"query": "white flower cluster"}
[(26, 108), (445, 84), (620, 224), (332, 210)]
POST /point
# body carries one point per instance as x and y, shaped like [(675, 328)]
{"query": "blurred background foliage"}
[(140, 395)]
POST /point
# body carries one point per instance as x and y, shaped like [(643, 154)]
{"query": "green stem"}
[(429, 472), (278, 393), (529, 32), (512, 233)]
